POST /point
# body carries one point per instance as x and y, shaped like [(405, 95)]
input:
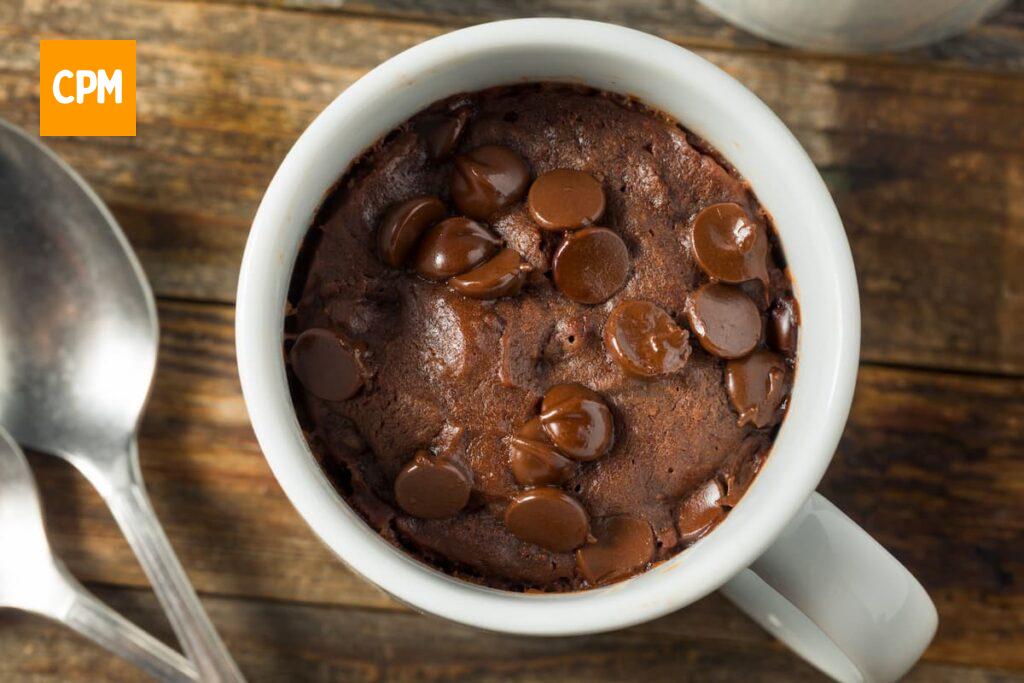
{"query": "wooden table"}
[(923, 151)]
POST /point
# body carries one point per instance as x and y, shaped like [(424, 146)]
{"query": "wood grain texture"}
[(926, 164), (289, 642), (930, 465), (998, 43)]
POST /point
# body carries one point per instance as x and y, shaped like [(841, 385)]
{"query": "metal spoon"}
[(78, 344), (32, 579)]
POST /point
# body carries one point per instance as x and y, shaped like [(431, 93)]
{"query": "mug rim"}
[(744, 534)]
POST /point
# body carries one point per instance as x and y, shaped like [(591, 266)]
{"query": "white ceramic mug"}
[(784, 555)]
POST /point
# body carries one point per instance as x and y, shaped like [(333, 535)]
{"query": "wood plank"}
[(998, 43), (927, 165), (930, 465), (288, 642)]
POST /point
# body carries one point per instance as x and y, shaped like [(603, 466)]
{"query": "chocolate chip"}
[(549, 518), (624, 545), (783, 322), (591, 265), (487, 180), (402, 225), (578, 421), (738, 474), (565, 199), (534, 460), (501, 276), (452, 247), (645, 340), (757, 386), (441, 133), (700, 511), (729, 246), (431, 488), (326, 364), (725, 320)]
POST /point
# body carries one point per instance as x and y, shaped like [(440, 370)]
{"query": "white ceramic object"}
[(854, 25), (824, 586)]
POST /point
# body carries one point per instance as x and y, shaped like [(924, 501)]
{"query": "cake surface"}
[(445, 376)]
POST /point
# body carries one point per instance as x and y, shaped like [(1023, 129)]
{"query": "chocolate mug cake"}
[(541, 337)]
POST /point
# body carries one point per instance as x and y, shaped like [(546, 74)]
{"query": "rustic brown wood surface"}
[(924, 152)]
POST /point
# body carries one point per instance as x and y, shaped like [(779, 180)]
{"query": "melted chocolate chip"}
[(487, 180), (624, 545), (441, 132), (431, 488), (757, 385), (501, 276), (454, 246), (591, 265), (565, 199), (739, 473), (725, 320), (700, 512), (402, 226), (578, 421), (326, 365), (729, 246), (534, 460), (645, 340), (782, 326), (549, 518)]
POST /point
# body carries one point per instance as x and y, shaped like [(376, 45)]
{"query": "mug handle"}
[(837, 598)]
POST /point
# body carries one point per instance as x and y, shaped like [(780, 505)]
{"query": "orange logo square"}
[(87, 87)]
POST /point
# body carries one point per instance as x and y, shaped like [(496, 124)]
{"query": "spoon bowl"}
[(78, 325), (27, 565)]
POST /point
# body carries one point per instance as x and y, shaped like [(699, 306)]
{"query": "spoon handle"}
[(134, 514), (107, 628)]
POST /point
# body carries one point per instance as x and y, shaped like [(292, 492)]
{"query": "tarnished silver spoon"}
[(32, 579), (78, 345)]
